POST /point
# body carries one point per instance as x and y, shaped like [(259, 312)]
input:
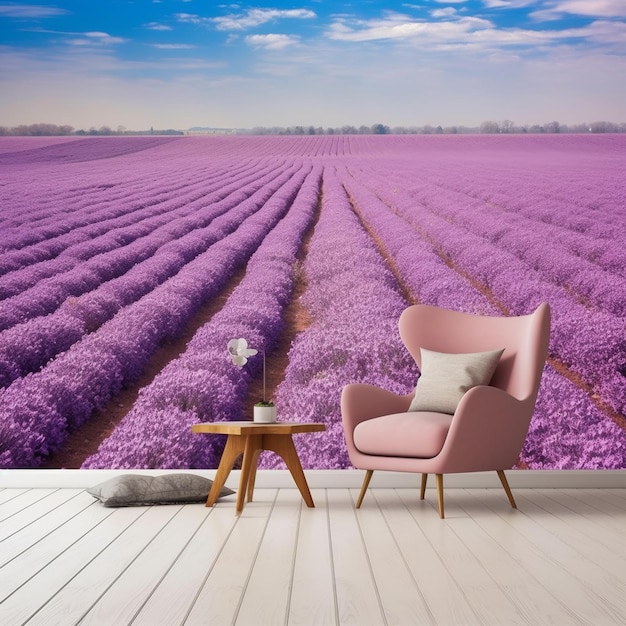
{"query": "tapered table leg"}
[(252, 473), (232, 451), (283, 446), (252, 446)]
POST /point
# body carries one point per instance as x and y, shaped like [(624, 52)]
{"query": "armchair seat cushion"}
[(417, 434)]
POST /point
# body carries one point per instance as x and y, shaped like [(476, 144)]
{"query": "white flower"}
[(239, 351)]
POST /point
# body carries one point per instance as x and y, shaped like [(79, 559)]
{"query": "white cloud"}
[(605, 32), (245, 21), (272, 41), (157, 26), (173, 46), (508, 4), (447, 12), (95, 38), (587, 8), (257, 17), (34, 11), (464, 31), (191, 18), (600, 32), (397, 26)]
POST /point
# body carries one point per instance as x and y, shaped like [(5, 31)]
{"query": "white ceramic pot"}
[(265, 414)]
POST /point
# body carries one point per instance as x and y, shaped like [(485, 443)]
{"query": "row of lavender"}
[(39, 186), (569, 430), (105, 242), (64, 308), (585, 233), (202, 384), (43, 202), (589, 306), (354, 303), (58, 215), (564, 410), (39, 410), (96, 220)]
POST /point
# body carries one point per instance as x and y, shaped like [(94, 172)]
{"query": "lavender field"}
[(113, 249)]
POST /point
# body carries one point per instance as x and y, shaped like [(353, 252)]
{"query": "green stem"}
[(263, 375)]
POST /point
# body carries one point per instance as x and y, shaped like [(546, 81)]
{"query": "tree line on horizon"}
[(487, 127)]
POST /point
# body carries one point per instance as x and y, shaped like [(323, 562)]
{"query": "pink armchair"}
[(486, 430)]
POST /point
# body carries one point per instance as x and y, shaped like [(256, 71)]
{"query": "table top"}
[(258, 428)]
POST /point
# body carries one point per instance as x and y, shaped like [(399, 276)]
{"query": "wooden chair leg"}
[(423, 487), (507, 489), (439, 478), (366, 482)]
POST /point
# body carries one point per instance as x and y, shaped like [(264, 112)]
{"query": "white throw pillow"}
[(445, 378)]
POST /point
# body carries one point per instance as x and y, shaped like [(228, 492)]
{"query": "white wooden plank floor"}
[(559, 559)]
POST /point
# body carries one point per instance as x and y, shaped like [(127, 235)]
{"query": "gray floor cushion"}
[(138, 489)]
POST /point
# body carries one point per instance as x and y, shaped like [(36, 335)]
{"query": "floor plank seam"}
[(293, 564), (379, 599), (255, 558)]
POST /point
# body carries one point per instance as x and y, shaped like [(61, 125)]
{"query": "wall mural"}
[(127, 264)]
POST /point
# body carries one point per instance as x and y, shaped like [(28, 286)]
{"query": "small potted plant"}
[(264, 411)]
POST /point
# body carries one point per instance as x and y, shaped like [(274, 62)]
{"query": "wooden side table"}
[(250, 439)]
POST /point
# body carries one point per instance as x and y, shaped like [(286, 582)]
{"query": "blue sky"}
[(183, 63)]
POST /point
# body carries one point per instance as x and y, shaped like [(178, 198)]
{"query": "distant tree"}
[(552, 127), (506, 126), (379, 129), (40, 130), (489, 127), (603, 127)]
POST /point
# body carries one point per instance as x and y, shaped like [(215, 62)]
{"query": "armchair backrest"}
[(525, 340)]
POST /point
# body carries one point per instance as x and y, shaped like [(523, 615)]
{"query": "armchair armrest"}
[(488, 430), (361, 402)]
